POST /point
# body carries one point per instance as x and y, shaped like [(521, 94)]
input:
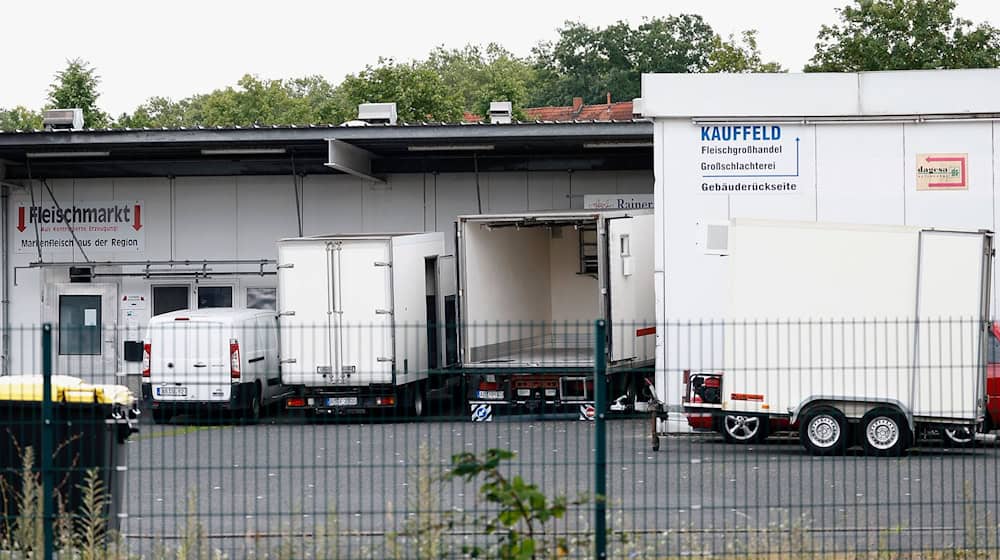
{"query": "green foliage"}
[(739, 55), (90, 523), (523, 508), (257, 101), (76, 87), (903, 35), (589, 62), (20, 118), (417, 89), (480, 75)]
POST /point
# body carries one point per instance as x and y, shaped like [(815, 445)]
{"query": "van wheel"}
[(160, 416), (824, 431), (252, 414), (885, 432)]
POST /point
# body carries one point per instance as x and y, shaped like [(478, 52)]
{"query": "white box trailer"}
[(362, 320), (531, 287), (837, 328), (826, 147)]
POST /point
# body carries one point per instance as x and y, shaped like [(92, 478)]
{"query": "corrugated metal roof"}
[(328, 126)]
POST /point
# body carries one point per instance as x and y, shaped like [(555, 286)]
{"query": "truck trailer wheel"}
[(416, 400), (959, 436), (824, 431), (743, 428), (885, 432)]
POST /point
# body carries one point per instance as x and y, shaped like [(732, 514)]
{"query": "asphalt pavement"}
[(365, 489)]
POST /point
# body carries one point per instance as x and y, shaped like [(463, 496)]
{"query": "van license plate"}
[(342, 401), (172, 391)]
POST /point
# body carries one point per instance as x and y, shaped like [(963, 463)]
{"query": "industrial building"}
[(168, 219)]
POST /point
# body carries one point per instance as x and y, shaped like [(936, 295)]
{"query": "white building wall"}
[(242, 218)]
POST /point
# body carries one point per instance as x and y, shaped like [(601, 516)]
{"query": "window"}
[(79, 325), (215, 296), (262, 298), (169, 298)]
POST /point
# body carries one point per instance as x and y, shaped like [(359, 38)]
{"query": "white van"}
[(211, 359)]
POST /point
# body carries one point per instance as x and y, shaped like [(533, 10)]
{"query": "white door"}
[(84, 326), (630, 284), (447, 311), (362, 312)]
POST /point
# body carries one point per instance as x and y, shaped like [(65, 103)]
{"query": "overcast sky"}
[(182, 47)]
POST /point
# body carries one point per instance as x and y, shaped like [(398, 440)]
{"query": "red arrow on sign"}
[(20, 219), (960, 160), (137, 221)]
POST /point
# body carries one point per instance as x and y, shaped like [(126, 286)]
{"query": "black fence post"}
[(600, 442), (48, 506)]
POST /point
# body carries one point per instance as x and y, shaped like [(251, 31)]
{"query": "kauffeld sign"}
[(99, 226)]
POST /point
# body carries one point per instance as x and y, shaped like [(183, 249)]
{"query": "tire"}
[(743, 428), (824, 430), (160, 416), (418, 400), (885, 432), (958, 436), (252, 413)]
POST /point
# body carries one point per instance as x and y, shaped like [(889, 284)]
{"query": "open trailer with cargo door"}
[(531, 287), (356, 315)]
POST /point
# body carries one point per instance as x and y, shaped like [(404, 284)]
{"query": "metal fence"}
[(573, 473)]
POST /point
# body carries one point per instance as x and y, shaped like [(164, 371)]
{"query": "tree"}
[(739, 55), (589, 62), (482, 75), (417, 89), (75, 87), (307, 100), (903, 35), (20, 118)]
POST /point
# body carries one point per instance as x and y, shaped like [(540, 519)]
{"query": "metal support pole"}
[(48, 486), (600, 441)]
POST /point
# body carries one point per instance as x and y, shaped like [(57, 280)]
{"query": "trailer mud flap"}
[(482, 412), (587, 412)]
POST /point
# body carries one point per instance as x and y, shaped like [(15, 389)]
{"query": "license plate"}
[(172, 391), (495, 395), (342, 401)]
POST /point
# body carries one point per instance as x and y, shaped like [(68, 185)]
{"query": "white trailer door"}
[(630, 284), (362, 311), (447, 312), (952, 300)]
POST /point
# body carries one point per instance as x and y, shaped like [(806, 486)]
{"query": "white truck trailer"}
[(876, 330), (531, 287), (362, 321)]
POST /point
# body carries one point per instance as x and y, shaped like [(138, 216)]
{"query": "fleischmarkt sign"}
[(942, 172), (99, 226)]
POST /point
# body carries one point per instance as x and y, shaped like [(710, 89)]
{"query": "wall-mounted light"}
[(451, 147), (241, 151), (43, 155)]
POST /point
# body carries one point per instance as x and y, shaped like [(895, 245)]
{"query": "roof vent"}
[(377, 113), (637, 107), (63, 119), (500, 112)]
